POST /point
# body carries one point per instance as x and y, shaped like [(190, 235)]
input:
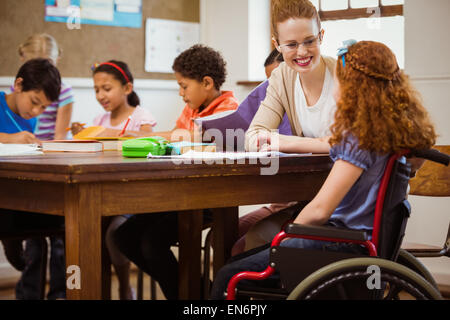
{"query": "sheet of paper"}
[(102, 10), (19, 149), (129, 6), (165, 40), (227, 155)]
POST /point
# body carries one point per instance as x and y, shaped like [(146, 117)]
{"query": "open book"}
[(72, 146), (226, 129), (109, 137)]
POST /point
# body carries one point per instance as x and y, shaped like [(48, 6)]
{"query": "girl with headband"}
[(113, 84)]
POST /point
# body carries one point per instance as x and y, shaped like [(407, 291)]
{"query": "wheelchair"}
[(386, 272)]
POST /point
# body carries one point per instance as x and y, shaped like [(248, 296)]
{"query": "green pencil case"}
[(141, 147)]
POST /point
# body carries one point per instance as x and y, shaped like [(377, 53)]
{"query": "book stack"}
[(72, 146)]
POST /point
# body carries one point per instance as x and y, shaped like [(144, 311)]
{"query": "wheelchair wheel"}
[(353, 279), (408, 260)]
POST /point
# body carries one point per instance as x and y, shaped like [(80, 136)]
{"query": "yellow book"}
[(109, 137)]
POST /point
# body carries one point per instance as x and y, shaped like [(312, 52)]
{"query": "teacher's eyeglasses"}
[(307, 44)]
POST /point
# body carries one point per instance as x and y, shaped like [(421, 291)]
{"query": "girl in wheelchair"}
[(378, 113)]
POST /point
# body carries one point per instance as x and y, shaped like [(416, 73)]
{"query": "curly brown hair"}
[(378, 105), (200, 61)]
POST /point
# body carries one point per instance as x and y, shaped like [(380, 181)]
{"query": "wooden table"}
[(88, 188)]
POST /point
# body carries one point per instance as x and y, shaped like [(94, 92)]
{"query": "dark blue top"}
[(11, 122), (247, 109), (357, 209)]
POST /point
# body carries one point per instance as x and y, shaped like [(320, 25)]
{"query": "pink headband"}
[(114, 66)]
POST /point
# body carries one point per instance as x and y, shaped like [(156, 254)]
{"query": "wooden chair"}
[(432, 180)]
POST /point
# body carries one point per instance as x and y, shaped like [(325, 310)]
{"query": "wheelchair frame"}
[(334, 234)]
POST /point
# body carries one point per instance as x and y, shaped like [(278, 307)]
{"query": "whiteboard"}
[(165, 40)]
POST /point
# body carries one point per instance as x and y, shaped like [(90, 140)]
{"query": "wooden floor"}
[(7, 291)]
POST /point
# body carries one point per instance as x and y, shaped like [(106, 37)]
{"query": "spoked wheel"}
[(408, 260), (365, 279)]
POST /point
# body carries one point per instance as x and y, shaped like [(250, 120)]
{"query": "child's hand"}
[(130, 134), (23, 137), (76, 127)]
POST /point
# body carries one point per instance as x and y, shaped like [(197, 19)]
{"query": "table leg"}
[(82, 210), (225, 234), (106, 262), (189, 236)]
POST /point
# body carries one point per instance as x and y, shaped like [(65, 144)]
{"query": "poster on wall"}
[(118, 13), (165, 40)]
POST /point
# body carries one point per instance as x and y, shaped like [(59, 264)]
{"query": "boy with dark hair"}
[(37, 85), (200, 73), (272, 62)]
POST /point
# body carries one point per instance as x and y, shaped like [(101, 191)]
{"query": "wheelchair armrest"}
[(326, 232)]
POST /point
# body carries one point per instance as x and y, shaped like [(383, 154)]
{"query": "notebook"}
[(19, 149), (72, 146), (181, 147), (226, 129)]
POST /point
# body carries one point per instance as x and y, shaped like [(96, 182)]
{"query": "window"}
[(388, 30), (377, 20), (353, 9)]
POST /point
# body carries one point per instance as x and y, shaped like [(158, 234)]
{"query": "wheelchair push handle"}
[(432, 155)]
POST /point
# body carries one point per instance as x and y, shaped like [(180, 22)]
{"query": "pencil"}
[(125, 127)]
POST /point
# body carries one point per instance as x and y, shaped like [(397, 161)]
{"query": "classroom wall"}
[(90, 43), (93, 43), (426, 61), (233, 27)]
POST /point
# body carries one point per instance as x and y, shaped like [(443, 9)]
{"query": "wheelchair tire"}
[(336, 275), (410, 261)]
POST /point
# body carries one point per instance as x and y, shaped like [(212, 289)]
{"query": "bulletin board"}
[(91, 43), (118, 13)]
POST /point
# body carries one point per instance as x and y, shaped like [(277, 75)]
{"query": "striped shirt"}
[(45, 129)]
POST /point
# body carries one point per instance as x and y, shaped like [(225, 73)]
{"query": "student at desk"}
[(37, 85), (113, 84), (146, 239), (51, 124)]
